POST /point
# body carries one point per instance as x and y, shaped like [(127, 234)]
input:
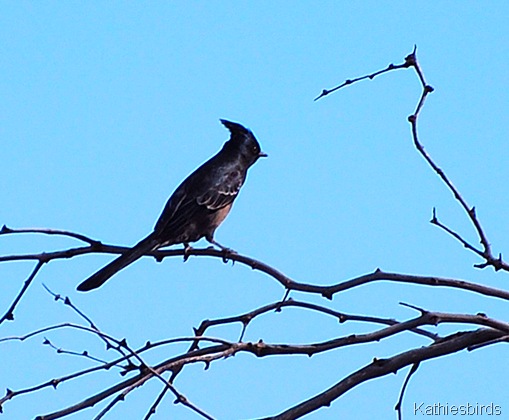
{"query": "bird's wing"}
[(223, 192), (178, 199), (183, 205)]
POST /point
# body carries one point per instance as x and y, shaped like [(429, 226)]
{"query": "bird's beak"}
[(262, 154)]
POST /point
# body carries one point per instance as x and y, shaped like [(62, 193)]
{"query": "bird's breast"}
[(220, 215)]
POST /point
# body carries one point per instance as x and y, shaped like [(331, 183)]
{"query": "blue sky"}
[(106, 107)]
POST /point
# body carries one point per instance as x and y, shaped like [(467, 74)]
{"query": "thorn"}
[(421, 310), (327, 295)]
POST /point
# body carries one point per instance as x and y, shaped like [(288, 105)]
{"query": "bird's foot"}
[(227, 252), (221, 247)]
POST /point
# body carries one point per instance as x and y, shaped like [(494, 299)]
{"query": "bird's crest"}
[(236, 129)]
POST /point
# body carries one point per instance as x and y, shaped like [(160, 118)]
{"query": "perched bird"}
[(198, 205)]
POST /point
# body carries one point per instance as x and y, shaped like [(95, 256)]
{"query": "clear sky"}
[(107, 106)]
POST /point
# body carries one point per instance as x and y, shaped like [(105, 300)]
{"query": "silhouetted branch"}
[(67, 301), (287, 282), (136, 372), (399, 404), (408, 63), (58, 232), (220, 349), (411, 62), (9, 314), (381, 367)]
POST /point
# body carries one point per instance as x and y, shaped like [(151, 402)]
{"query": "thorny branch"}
[(382, 367), (486, 253), (220, 349), (207, 349), (287, 282)]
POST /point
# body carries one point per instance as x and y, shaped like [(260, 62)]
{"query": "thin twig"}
[(67, 301), (382, 367), (371, 76), (153, 407), (486, 253), (84, 354), (399, 404), (6, 230), (9, 314)]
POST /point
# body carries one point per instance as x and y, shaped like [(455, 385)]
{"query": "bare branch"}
[(84, 353), (371, 76), (6, 231), (411, 61), (381, 367), (9, 314), (156, 403), (399, 404), (67, 301)]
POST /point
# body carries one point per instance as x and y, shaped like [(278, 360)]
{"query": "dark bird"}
[(198, 205)]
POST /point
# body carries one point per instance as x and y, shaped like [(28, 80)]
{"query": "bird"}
[(199, 204)]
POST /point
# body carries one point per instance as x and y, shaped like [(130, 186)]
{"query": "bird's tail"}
[(97, 279)]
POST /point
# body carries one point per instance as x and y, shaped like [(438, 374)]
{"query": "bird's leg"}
[(187, 251), (225, 250)]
